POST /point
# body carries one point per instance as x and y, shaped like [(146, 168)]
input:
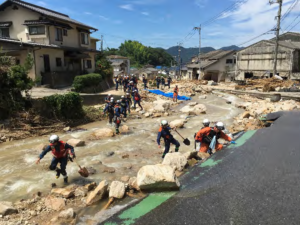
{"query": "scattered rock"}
[(67, 214), (177, 123), (33, 213), (192, 162), (191, 155), (156, 115), (103, 132), (246, 115), (98, 193), (109, 169), (6, 208), (157, 177), (175, 160), (203, 97), (81, 192), (117, 190), (62, 192), (228, 102), (161, 105), (125, 179), (54, 203), (147, 115), (203, 155), (211, 83), (166, 114), (125, 156), (66, 129), (125, 128), (76, 142), (197, 109), (108, 154), (90, 187), (91, 170), (96, 162)]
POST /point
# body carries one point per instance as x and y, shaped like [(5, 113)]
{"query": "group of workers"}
[(206, 138), (161, 82)]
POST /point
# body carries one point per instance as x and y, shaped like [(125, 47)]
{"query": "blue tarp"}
[(169, 95)]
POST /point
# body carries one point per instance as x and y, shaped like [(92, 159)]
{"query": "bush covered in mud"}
[(85, 83), (67, 106)]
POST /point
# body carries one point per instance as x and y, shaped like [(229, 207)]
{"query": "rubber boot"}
[(57, 173), (176, 149), (65, 179), (163, 156), (117, 131)]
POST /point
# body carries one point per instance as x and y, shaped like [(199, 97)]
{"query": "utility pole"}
[(179, 59), (101, 43), (277, 33), (199, 57)]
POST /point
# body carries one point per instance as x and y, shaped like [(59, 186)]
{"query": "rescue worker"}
[(164, 132), (129, 101), (61, 153), (110, 110), (157, 82), (145, 81), (163, 83), (205, 137), (124, 106), (175, 94), (137, 99), (117, 83), (117, 117), (169, 81), (107, 99), (206, 123), (125, 83)]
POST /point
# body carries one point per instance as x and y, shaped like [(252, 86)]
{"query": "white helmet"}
[(109, 94), (164, 122), (122, 96), (111, 100), (118, 101), (131, 82), (220, 126), (127, 94), (54, 138), (206, 122)]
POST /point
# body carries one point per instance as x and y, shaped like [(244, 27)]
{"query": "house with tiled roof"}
[(61, 47), (215, 65), (257, 60), (120, 64)]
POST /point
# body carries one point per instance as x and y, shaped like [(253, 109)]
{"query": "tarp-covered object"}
[(169, 95)]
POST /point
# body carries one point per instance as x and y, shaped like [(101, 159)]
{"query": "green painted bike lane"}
[(152, 201)]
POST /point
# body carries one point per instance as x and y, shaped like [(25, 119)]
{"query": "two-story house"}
[(60, 46), (120, 64)]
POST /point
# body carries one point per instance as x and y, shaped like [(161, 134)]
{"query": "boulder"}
[(166, 114), (107, 169), (156, 115), (246, 115), (7, 208), (103, 132), (147, 115), (76, 142), (125, 156), (202, 96), (175, 160), (192, 162), (125, 128), (98, 193), (66, 129), (191, 155), (133, 183), (54, 203), (90, 186), (81, 192), (193, 103), (161, 105), (197, 109), (62, 192), (203, 155), (67, 214), (117, 190), (177, 123), (157, 177), (211, 83), (91, 170)]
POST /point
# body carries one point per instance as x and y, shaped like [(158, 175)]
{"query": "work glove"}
[(233, 142)]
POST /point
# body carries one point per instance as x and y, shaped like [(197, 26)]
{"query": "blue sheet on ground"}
[(169, 95)]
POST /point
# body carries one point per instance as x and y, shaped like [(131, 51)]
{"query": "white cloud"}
[(145, 13), (118, 22), (87, 13), (127, 7), (103, 17), (41, 3), (215, 33), (200, 3)]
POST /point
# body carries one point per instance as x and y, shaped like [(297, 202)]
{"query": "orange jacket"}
[(176, 90), (206, 130)]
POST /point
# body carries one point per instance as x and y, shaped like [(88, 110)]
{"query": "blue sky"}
[(164, 23)]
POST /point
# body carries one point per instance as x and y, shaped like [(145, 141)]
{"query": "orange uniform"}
[(175, 94), (206, 132)]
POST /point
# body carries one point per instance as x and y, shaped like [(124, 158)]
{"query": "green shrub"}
[(86, 81), (68, 106)]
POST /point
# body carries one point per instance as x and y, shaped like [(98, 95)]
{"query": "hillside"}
[(188, 53)]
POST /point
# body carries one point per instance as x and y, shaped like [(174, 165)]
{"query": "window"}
[(36, 30), (65, 32), (229, 61), (58, 34), (89, 64), (4, 32), (58, 62), (84, 38)]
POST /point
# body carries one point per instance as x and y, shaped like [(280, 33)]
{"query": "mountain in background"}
[(188, 53)]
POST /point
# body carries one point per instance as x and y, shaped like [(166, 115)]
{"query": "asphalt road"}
[(256, 183)]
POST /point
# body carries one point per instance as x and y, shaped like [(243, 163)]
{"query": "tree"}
[(103, 66)]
